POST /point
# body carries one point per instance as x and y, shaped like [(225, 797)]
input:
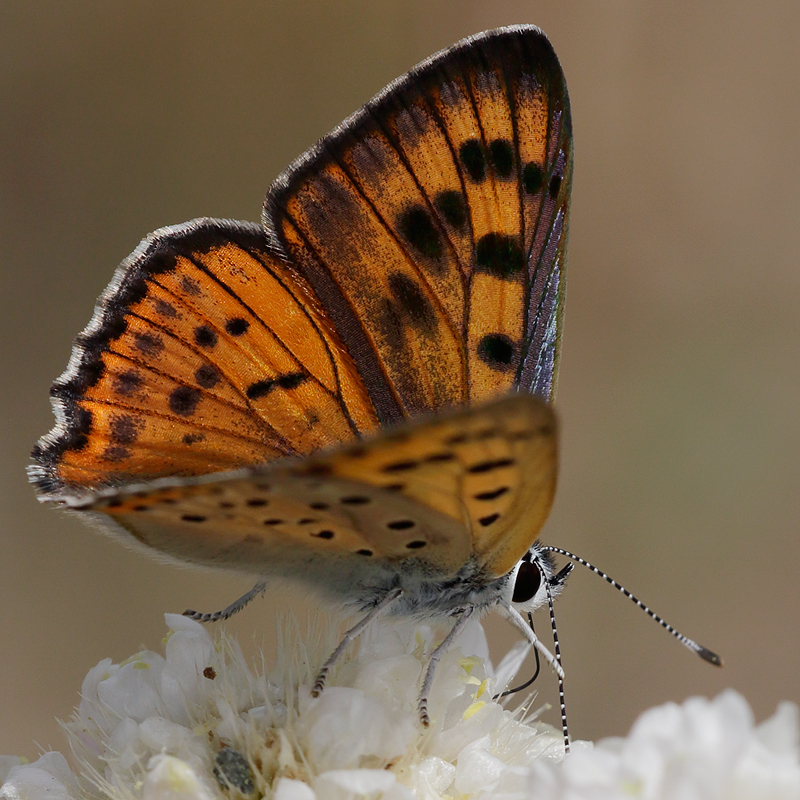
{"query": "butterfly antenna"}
[(232, 609), (703, 652), (527, 683), (557, 649)]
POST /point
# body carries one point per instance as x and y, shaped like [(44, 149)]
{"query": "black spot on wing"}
[(532, 178), (262, 388), (207, 376), (497, 351), (148, 344), (127, 383), (205, 336), (493, 494), (411, 300), (473, 159), (183, 401), (491, 465), (237, 326), (451, 204), (165, 309), (125, 429), (499, 255), (502, 158), (418, 228)]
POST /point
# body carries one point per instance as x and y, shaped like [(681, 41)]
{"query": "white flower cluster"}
[(200, 724)]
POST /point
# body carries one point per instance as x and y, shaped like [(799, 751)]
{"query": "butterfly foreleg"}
[(319, 683), (422, 704), (516, 619), (232, 609)]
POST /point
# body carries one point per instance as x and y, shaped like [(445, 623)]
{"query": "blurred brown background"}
[(681, 361)]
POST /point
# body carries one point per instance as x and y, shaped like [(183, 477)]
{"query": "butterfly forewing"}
[(454, 186), (474, 484)]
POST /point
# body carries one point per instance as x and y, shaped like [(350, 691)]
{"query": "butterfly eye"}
[(527, 582)]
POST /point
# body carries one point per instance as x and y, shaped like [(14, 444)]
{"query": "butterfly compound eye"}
[(527, 582)]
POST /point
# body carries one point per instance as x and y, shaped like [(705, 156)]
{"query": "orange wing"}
[(432, 225), (206, 352), (412, 261)]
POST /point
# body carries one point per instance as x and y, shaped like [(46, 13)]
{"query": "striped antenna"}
[(557, 650), (703, 652)]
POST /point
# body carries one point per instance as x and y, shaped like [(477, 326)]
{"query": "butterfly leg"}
[(232, 609), (422, 704), (515, 618), (319, 683)]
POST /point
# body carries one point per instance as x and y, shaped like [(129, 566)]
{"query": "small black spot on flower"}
[(496, 350), (232, 770), (205, 336), (184, 400), (416, 225), (416, 544), (502, 157), (532, 178), (451, 204), (499, 254), (326, 534), (207, 376), (236, 326), (319, 506), (364, 552), (193, 518), (272, 521), (488, 520), (256, 502), (307, 521), (473, 159), (210, 673), (394, 487)]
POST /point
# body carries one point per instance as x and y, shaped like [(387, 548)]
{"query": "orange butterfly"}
[(410, 265)]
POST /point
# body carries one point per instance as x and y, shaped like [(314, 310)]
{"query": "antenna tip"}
[(707, 655)]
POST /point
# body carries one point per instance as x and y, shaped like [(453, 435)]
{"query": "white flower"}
[(199, 724)]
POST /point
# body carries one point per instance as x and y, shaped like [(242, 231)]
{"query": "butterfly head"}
[(533, 576)]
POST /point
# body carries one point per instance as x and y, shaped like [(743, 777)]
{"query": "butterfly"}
[(355, 393)]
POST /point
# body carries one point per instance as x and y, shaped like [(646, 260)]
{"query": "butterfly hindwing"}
[(473, 484), (206, 352), (453, 185)]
